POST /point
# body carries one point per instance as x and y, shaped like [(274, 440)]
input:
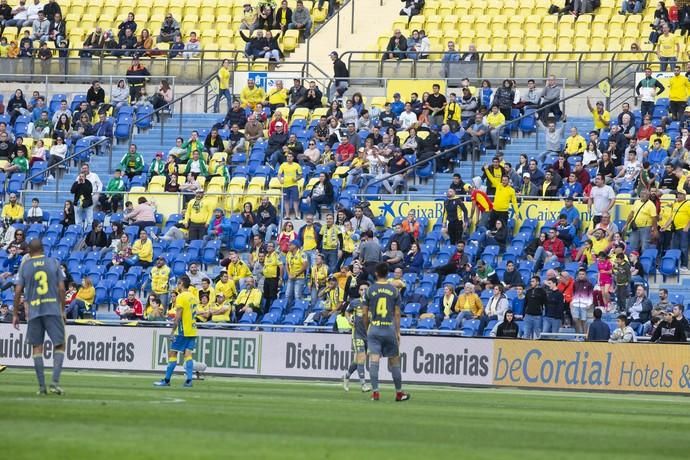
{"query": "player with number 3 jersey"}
[(41, 280)]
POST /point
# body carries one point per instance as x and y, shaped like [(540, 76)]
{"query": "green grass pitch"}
[(121, 416)]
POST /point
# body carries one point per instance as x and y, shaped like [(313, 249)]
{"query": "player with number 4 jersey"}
[(41, 280), (383, 336)]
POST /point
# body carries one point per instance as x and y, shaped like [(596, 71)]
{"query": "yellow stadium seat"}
[(449, 22), (477, 9), (378, 101), (541, 7), (433, 23), (300, 113), (417, 22), (431, 5), (383, 42), (498, 23), (446, 8), (290, 40), (216, 185), (533, 21), (516, 42), (436, 32), (516, 22), (399, 23), (582, 43), (615, 44), (482, 22)]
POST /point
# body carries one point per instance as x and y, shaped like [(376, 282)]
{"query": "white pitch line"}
[(337, 384), (66, 399)]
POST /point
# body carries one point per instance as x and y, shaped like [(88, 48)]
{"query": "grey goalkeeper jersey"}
[(40, 277)]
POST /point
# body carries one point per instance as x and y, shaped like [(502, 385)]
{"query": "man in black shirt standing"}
[(535, 298), (454, 223), (437, 104), (340, 76)]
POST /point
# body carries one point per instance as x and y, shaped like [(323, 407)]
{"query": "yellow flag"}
[(605, 88)]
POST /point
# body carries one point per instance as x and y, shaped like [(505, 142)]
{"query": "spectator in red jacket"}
[(344, 153), (553, 249), (130, 307)]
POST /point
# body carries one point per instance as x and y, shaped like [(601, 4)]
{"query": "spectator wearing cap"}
[(301, 19), (275, 144), (340, 76), (601, 116), (397, 106), (110, 200), (157, 166), (159, 279)]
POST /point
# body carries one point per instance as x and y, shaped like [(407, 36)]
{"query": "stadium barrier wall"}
[(424, 359)]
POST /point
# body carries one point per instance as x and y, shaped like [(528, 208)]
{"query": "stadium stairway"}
[(511, 154), (148, 143)]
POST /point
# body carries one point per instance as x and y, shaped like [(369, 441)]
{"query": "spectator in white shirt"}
[(192, 47), (408, 117), (32, 13)]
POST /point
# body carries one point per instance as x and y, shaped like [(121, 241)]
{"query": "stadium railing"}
[(580, 67), (64, 164), (187, 71), (512, 123)]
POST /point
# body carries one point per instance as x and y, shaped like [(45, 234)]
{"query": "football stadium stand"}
[(482, 194)]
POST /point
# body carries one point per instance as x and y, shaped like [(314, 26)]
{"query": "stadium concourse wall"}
[(425, 359)]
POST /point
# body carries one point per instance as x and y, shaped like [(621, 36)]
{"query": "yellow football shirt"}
[(187, 304)]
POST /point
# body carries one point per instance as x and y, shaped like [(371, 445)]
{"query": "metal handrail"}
[(65, 160), (462, 144), (336, 17)]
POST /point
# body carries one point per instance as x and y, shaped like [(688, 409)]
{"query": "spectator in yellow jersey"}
[(277, 96), (317, 278), (221, 309), (575, 144), (331, 243), (226, 286), (273, 275), (495, 121), (142, 251), (12, 212), (504, 198), (238, 271), (223, 86), (679, 224), (332, 297), (248, 300), (296, 265), (198, 216), (667, 47), (664, 138), (288, 175), (160, 279), (678, 92), (252, 95), (203, 309), (601, 116)]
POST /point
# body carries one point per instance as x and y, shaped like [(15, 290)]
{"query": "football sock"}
[(189, 367), (397, 377), (39, 368), (351, 370), (360, 372), (374, 375), (58, 359), (172, 362)]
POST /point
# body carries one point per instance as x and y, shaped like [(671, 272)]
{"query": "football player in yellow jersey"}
[(359, 340), (184, 333)]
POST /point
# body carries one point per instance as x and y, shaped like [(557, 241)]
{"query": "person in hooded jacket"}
[(508, 327), (669, 329)]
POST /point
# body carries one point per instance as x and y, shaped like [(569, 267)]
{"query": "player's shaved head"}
[(35, 247)]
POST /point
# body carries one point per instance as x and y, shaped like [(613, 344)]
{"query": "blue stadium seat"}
[(412, 309), (670, 263)]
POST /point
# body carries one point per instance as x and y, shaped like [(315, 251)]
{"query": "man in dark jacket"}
[(397, 46), (340, 75), (236, 115), (313, 98), (508, 328), (553, 307), (267, 224), (678, 316), (137, 75), (276, 141), (535, 298), (403, 239), (511, 277), (638, 308), (669, 330), (599, 331), (82, 190)]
